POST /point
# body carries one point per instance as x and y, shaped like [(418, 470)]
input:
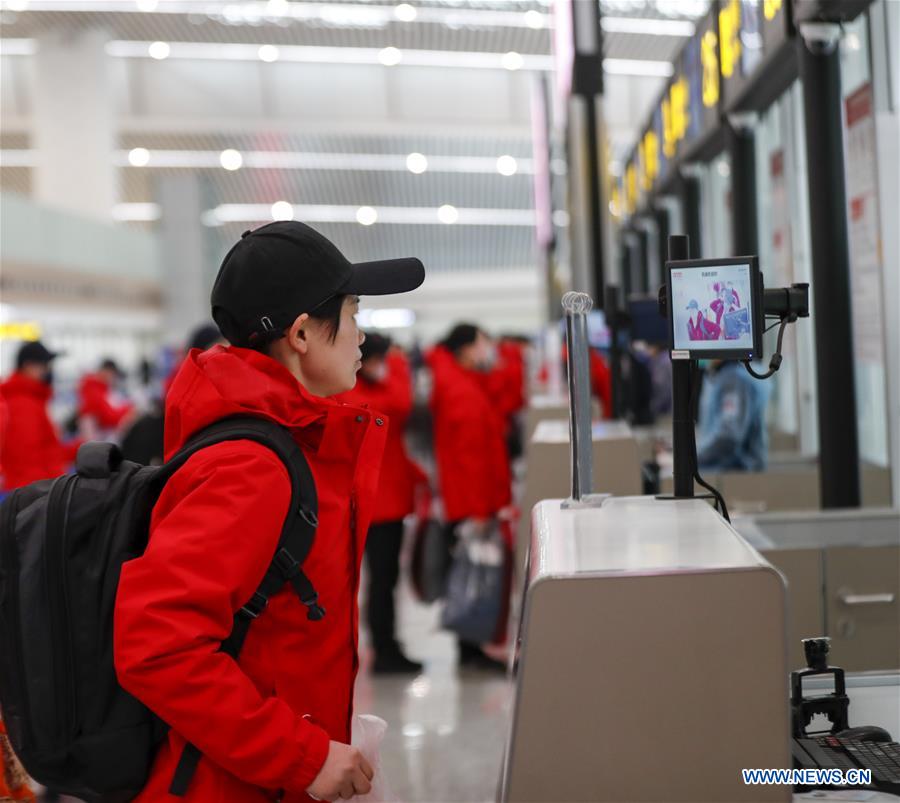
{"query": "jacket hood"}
[(226, 381), (19, 385)]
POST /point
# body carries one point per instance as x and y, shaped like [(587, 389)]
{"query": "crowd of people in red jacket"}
[(478, 389)]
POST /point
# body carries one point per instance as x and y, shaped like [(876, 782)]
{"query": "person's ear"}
[(297, 335)]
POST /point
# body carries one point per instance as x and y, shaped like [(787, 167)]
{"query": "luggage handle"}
[(97, 460)]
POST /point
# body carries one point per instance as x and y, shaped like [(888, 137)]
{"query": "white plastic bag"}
[(367, 734)]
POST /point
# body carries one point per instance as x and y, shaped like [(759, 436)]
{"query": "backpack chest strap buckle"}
[(255, 606)]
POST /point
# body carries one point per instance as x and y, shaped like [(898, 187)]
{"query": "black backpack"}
[(62, 546)]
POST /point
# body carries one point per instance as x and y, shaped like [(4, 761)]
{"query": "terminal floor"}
[(446, 728)]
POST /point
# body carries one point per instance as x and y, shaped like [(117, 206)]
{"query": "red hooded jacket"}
[(506, 381), (30, 449), (94, 402), (469, 441), (264, 723), (399, 475)]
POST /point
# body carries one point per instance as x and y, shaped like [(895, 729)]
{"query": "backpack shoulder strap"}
[(294, 545), (299, 529)]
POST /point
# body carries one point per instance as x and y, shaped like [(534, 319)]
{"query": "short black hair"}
[(460, 336), (328, 314)]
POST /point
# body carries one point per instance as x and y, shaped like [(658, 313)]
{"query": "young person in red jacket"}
[(275, 725), (469, 443), (384, 384), (98, 416), (30, 448)]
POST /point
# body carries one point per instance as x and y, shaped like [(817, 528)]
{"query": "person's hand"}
[(344, 774)]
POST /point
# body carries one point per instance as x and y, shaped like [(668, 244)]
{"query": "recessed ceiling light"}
[(159, 50), (417, 163), (448, 214), (513, 60), (268, 53), (405, 12), (534, 19), (138, 157), (231, 159), (282, 210), (390, 56), (561, 218), (276, 8), (366, 215), (507, 165)]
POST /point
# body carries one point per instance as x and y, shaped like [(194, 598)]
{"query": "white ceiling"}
[(201, 106)]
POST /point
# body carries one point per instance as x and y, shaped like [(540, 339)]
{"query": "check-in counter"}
[(787, 486), (651, 658), (780, 441), (649, 437), (543, 407), (843, 573), (548, 471)]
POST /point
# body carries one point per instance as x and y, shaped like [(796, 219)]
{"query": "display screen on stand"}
[(715, 309)]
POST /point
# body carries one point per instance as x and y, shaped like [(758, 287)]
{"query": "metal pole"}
[(576, 306), (682, 415), (742, 147), (820, 70), (596, 214), (690, 199)]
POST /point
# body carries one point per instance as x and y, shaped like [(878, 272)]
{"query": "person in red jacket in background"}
[(98, 416), (275, 724), (384, 385), (469, 444), (30, 448), (601, 378), (506, 384)]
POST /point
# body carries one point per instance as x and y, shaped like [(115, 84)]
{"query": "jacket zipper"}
[(58, 504), (353, 646), (9, 554)]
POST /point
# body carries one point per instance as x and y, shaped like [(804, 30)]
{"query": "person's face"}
[(374, 369), (329, 366), (478, 354), (38, 370)]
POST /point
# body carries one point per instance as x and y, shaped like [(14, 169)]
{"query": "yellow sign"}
[(676, 115), (730, 36), (710, 61), (20, 331), (680, 96), (649, 160), (771, 8), (631, 188)]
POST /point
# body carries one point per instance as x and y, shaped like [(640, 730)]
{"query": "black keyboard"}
[(883, 758)]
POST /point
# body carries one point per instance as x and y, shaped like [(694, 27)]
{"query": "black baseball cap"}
[(35, 351), (283, 269)]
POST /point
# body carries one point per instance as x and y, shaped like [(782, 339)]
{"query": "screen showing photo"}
[(711, 308)]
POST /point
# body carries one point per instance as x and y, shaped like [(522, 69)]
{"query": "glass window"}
[(864, 226)]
